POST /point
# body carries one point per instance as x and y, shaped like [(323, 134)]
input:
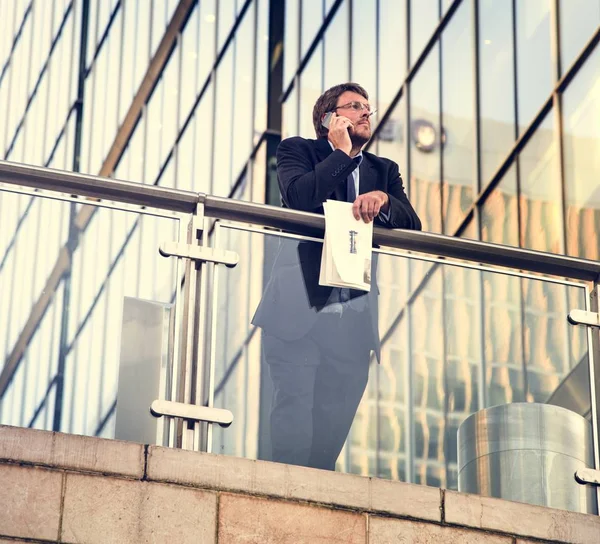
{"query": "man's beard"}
[(358, 140)]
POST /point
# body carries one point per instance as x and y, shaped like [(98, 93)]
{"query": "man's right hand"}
[(338, 133)]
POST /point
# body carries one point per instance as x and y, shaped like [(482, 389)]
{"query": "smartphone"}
[(327, 119)]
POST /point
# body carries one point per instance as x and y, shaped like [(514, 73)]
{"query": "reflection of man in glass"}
[(317, 340)]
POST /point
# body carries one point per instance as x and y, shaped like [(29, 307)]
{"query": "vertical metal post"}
[(274, 93), (594, 363), (183, 388), (482, 389), (201, 349), (73, 237), (211, 360)]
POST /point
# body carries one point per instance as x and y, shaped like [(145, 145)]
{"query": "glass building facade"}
[(490, 108)]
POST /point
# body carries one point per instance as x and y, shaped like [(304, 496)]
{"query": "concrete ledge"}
[(293, 483), (68, 451), (63, 488), (522, 519), (104, 509), (30, 502)]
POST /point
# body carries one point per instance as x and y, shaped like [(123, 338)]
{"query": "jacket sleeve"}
[(401, 213), (304, 185)]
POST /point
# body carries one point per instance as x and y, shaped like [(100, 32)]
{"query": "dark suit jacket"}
[(310, 173)]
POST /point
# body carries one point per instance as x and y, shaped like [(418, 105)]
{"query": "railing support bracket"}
[(581, 317), (191, 412), (199, 253), (588, 476)]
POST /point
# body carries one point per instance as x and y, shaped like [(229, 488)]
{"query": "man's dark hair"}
[(328, 101)]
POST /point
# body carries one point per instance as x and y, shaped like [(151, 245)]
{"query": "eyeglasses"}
[(358, 107)]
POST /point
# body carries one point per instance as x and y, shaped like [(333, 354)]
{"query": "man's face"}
[(361, 120)]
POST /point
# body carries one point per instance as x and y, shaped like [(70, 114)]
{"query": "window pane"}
[(424, 17), (290, 51), (290, 115), (189, 50), (496, 82), (364, 51), (534, 58), (337, 68), (541, 218), (310, 90), (312, 18), (581, 112), (457, 117), (242, 101), (392, 50), (392, 140), (225, 20), (224, 94), (206, 56), (578, 21), (425, 143)]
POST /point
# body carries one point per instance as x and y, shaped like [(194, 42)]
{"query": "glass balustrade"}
[(66, 268), (455, 338)]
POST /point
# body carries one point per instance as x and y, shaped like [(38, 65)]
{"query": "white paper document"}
[(346, 258)]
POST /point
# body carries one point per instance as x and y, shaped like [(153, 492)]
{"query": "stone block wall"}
[(73, 489)]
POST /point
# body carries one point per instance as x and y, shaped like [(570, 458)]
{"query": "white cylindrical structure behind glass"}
[(527, 452)]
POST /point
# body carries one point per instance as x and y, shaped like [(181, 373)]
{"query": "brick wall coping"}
[(230, 475)]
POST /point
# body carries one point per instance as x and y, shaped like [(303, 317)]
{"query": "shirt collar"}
[(358, 158)]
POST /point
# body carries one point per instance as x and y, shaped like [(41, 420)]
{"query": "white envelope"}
[(346, 258)]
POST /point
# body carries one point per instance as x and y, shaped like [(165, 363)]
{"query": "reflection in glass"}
[(496, 84), (425, 141), (581, 147), (502, 339), (578, 21), (534, 60), (457, 118), (499, 213), (540, 200), (552, 346)]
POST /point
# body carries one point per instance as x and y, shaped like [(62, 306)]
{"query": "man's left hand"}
[(368, 206)]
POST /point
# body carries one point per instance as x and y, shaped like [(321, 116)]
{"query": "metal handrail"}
[(420, 242), (97, 187), (292, 220)]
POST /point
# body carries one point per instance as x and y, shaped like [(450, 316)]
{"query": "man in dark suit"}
[(317, 340)]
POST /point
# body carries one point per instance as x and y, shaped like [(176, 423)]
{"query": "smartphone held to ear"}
[(327, 119)]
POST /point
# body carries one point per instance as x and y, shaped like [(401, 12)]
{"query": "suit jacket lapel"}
[(368, 177)]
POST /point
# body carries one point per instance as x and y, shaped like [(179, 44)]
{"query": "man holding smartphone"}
[(317, 340)]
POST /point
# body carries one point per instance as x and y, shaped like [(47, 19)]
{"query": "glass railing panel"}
[(62, 305), (455, 338)]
